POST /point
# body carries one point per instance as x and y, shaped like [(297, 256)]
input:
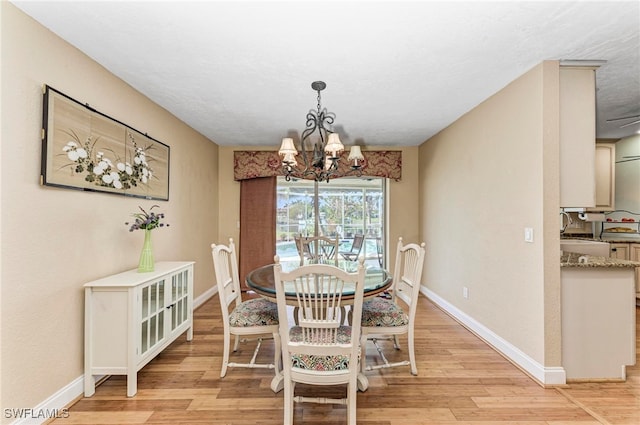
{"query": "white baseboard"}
[(544, 375), (205, 296), (52, 407)]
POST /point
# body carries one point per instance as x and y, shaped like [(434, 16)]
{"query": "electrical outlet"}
[(465, 292)]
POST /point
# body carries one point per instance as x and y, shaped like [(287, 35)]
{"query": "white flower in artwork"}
[(98, 170), (115, 180), (101, 170)]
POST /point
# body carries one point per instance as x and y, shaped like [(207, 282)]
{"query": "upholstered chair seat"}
[(254, 312), (321, 363), (380, 312)]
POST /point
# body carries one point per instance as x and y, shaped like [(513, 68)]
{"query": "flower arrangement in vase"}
[(147, 221)]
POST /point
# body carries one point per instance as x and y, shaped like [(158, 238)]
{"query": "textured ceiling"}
[(396, 72)]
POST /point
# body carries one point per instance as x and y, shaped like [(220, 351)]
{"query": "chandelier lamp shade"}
[(320, 148)]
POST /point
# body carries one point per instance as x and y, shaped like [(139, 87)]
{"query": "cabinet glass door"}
[(179, 299), (152, 326)]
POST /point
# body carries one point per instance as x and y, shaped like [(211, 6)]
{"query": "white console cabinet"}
[(131, 317)]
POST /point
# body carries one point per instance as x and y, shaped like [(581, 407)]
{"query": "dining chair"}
[(356, 247), (257, 317), (318, 349), (387, 318), (319, 249), (303, 249)]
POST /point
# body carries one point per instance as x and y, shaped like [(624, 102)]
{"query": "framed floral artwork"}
[(87, 150)]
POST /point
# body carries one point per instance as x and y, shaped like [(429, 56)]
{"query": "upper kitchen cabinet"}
[(577, 136), (628, 174), (605, 176)]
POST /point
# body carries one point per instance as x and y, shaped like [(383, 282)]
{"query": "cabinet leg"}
[(190, 333), (89, 385), (132, 384)]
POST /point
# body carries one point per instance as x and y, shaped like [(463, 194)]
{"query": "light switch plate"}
[(528, 234)]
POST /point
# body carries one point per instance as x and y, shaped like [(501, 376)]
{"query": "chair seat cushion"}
[(381, 312), (254, 312), (320, 363)]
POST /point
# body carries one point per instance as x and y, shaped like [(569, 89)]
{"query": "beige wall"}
[(482, 181), (402, 196), (54, 240), (468, 192)]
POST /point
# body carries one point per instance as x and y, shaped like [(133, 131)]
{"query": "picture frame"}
[(84, 149)]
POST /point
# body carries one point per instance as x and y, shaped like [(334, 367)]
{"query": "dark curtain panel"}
[(257, 224)]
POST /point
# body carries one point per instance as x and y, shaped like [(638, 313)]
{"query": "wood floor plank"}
[(462, 381), (105, 418)]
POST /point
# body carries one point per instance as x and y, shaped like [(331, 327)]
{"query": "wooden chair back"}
[(317, 349), (407, 274), (225, 265)]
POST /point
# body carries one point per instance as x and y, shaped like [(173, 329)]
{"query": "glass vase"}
[(146, 263)]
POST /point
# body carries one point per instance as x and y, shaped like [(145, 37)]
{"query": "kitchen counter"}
[(598, 316), (572, 259), (609, 238)]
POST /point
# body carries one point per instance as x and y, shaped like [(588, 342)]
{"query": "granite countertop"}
[(572, 259), (619, 240), (609, 238)]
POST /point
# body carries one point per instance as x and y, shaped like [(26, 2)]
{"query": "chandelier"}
[(320, 158)]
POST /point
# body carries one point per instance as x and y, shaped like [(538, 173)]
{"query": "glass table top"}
[(261, 280)]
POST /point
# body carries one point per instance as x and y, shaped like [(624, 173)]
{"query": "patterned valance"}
[(253, 164)]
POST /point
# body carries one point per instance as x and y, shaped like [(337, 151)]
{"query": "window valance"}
[(254, 164)]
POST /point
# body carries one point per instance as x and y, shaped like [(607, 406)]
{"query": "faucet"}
[(563, 226)]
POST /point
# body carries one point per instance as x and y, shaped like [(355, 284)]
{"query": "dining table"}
[(262, 282)]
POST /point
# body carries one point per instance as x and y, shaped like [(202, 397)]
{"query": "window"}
[(339, 209)]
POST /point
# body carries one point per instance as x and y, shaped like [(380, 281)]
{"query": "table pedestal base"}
[(363, 382), (277, 383)]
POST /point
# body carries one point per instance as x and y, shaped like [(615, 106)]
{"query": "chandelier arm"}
[(312, 125), (326, 120)]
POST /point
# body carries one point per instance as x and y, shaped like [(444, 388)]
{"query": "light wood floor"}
[(461, 381)]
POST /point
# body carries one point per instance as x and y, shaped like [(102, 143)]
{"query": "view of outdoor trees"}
[(346, 206)]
